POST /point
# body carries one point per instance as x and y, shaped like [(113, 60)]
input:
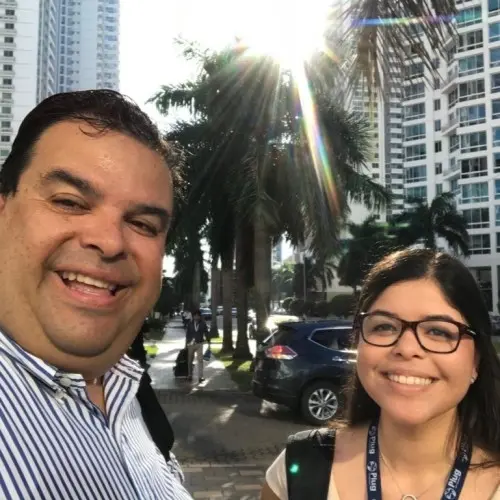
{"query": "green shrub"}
[(297, 307), (157, 324), (343, 305), (322, 309)]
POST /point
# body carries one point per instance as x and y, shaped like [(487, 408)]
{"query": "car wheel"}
[(320, 402)]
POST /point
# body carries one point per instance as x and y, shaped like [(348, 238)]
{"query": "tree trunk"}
[(262, 273), (242, 350), (214, 330), (195, 295), (227, 300)]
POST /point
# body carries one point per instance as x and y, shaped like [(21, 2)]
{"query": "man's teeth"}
[(81, 278), (402, 379)]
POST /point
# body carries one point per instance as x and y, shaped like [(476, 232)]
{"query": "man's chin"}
[(81, 347)]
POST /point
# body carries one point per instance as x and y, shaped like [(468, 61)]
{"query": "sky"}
[(149, 56)]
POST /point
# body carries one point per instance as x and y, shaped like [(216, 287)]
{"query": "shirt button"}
[(60, 395), (65, 382)]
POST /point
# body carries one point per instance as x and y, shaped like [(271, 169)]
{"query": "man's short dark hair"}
[(104, 110)]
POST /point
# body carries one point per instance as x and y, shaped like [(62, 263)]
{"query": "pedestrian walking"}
[(423, 403), (85, 202), (196, 335)]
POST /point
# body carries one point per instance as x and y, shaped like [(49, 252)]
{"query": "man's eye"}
[(146, 228), (68, 203)]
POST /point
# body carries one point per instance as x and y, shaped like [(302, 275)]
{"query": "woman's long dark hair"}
[(479, 411)]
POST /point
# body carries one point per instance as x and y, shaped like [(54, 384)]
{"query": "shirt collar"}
[(55, 378)]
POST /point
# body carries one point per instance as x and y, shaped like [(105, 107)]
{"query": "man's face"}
[(82, 246)]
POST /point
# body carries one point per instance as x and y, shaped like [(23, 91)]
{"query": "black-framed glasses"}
[(434, 334)]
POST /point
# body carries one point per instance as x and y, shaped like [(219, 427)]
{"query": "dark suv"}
[(303, 365)]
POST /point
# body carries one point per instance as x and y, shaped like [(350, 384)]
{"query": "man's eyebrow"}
[(162, 213), (60, 175)]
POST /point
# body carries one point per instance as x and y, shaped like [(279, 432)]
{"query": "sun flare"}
[(290, 31)]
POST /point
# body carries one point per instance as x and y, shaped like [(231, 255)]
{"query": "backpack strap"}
[(309, 459), (154, 417)]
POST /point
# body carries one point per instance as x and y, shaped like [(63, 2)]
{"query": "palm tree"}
[(379, 41), (282, 281), (369, 242), (425, 223), (259, 143)]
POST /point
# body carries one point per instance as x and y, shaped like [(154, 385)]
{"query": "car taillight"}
[(280, 352)]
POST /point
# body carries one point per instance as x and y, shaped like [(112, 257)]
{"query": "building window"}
[(471, 40), (437, 147), (6, 110), (497, 189), (439, 189), (495, 57), (439, 168), (474, 167), (5, 124), (416, 174), (475, 193), (475, 141), (477, 218), (416, 193), (437, 125), (437, 104), (8, 39), (9, 26), (480, 244), (471, 90), (416, 152), (413, 132), (470, 65), (454, 143), (468, 17), (10, 12), (494, 32), (414, 111), (7, 81), (472, 115), (493, 7), (8, 53), (496, 136)]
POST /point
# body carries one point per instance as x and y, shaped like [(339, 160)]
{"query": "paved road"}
[(225, 440)]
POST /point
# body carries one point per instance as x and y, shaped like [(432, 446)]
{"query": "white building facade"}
[(451, 132), (51, 46)]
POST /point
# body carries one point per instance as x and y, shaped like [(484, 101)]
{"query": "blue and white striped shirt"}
[(56, 444)]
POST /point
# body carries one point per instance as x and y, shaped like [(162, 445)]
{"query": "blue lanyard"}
[(455, 482)]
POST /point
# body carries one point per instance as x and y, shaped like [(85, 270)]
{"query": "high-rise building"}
[(50, 46), (451, 132)]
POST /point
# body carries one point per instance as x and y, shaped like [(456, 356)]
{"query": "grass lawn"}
[(238, 370)]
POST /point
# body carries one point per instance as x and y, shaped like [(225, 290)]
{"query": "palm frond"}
[(381, 42)]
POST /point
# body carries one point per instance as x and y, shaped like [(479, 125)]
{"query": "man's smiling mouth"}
[(88, 284)]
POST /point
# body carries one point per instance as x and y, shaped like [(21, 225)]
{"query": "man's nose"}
[(105, 234)]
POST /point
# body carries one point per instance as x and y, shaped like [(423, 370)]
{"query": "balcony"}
[(450, 82), (450, 126), (452, 172)]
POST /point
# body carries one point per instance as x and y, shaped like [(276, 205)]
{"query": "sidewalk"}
[(162, 373), (225, 481)]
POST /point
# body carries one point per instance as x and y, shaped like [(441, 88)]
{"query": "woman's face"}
[(411, 385)]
